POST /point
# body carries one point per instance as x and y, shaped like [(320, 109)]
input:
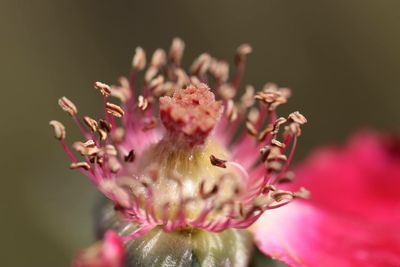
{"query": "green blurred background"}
[(341, 57)]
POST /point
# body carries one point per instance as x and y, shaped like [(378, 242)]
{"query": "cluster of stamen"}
[(192, 165)]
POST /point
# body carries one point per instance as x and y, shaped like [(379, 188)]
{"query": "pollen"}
[(192, 113)]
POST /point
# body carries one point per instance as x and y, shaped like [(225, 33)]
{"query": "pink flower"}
[(172, 153), (106, 253), (353, 216)]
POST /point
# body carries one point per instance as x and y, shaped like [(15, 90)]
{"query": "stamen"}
[(131, 156), (201, 65), (91, 123), (176, 51), (297, 117), (139, 59), (104, 89), (143, 103), (105, 125), (114, 110), (217, 162), (79, 165), (68, 106), (59, 129)]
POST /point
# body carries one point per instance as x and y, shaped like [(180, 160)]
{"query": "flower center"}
[(177, 171)]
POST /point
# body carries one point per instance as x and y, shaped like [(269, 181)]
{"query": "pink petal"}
[(106, 253), (353, 216), (302, 235)]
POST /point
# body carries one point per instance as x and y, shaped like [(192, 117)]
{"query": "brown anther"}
[(99, 160), (156, 83), (150, 124), (267, 130), (176, 51), (143, 103), (212, 192), (131, 156), (241, 53), (110, 150), (274, 166), (114, 110), (220, 70), (91, 123), (247, 99), (88, 148), (226, 91), (182, 78), (217, 162), (122, 92), (287, 178), (268, 188), (273, 96), (105, 125), (201, 65), (117, 135), (104, 89), (68, 106), (278, 123), (231, 110), (276, 143), (139, 59), (251, 129), (297, 117), (302, 193), (159, 58), (282, 195), (114, 164), (275, 154), (264, 151), (293, 129), (253, 115), (194, 81), (59, 129), (151, 72), (89, 144), (80, 165), (252, 211), (102, 134)]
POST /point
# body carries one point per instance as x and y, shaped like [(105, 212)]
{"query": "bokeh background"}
[(341, 57)]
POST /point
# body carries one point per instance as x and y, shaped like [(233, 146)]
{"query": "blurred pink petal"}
[(353, 215), (106, 253)]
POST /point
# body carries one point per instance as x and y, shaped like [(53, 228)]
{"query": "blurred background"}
[(341, 58)]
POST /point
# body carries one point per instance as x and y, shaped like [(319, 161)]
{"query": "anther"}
[(217, 162), (131, 156), (114, 165), (105, 125), (68, 106), (201, 65), (302, 193), (176, 51), (251, 129), (139, 59), (297, 117), (80, 165), (114, 110), (241, 53), (104, 89), (59, 129), (143, 103), (91, 123)]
